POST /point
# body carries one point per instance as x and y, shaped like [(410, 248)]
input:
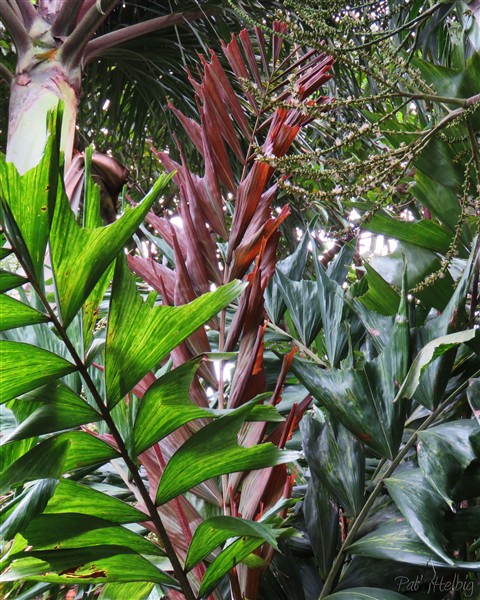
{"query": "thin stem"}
[(15, 28), (67, 18), (114, 38), (6, 74), (409, 25), (73, 49), (299, 344), (474, 144), (26, 9), (378, 488), (377, 472)]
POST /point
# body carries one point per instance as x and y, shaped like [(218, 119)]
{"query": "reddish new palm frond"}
[(221, 136)]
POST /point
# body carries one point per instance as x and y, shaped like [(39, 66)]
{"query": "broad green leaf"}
[(166, 406), (213, 532), (366, 593), (138, 590), (71, 497), (99, 564), (429, 353), (14, 313), (214, 450), (8, 281), (445, 451), (473, 395), (397, 541), (380, 297), (301, 299), (337, 269), (440, 200), (62, 531), (336, 458), (361, 399), (56, 407), (422, 507), (57, 455), (80, 256), (420, 264), (425, 233), (32, 504), (331, 299), (139, 337), (292, 267), (24, 367), (41, 462), (31, 197), (435, 378), (322, 523), (226, 560)]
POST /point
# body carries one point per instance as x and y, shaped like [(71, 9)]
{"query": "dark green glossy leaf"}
[(322, 523), (71, 497), (436, 376), (292, 267), (39, 186), (422, 507), (57, 455), (429, 353), (361, 399), (473, 395), (214, 450), (338, 268), (301, 299), (397, 541), (336, 458), (56, 407), (425, 234), (8, 281), (213, 532), (420, 264), (366, 593), (363, 571), (90, 250), (166, 406), (445, 451), (28, 507), (60, 531), (332, 303), (440, 200), (151, 332), (380, 297), (24, 367), (99, 564), (14, 313)]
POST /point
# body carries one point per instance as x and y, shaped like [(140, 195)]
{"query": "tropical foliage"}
[(309, 432)]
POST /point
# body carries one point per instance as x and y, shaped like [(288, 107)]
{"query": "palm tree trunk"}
[(36, 90)]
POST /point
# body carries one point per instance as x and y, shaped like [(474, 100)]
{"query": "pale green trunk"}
[(36, 90)]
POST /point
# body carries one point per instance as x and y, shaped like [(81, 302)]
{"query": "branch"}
[(95, 47), (15, 28), (6, 74), (72, 50), (67, 17), (29, 14)]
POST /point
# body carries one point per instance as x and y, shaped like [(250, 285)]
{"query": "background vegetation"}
[(312, 432)]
